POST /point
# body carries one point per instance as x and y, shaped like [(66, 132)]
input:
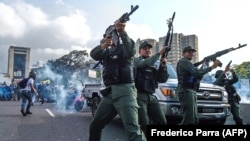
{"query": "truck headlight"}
[(168, 92)]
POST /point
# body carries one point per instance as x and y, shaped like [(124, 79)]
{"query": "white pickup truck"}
[(93, 96), (212, 100)]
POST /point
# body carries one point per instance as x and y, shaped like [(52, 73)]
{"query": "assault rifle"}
[(217, 54), (169, 36), (111, 32)]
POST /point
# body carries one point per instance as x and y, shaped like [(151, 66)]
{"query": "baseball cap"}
[(145, 44), (188, 48)]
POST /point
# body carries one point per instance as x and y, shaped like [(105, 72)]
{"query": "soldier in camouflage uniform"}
[(147, 78), (233, 97), (119, 97), (188, 76)]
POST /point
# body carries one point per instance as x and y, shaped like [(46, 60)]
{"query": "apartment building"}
[(179, 41)]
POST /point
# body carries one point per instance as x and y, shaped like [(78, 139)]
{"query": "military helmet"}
[(218, 73)]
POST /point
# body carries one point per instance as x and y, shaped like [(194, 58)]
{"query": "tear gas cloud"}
[(65, 87)]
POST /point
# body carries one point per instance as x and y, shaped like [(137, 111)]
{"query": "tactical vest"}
[(117, 69), (229, 87), (187, 80), (145, 80)]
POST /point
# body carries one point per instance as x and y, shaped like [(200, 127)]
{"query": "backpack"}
[(22, 84)]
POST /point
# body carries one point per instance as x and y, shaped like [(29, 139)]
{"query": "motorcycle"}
[(78, 102)]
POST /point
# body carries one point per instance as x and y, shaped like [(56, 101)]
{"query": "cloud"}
[(51, 51), (26, 25), (11, 25), (60, 2), (72, 28), (141, 31), (226, 27), (33, 16)]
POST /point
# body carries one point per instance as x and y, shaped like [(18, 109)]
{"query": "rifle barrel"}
[(218, 54), (240, 46), (133, 10)]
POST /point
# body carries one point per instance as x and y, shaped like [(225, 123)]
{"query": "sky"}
[(53, 28)]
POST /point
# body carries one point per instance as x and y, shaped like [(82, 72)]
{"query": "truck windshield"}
[(171, 70)]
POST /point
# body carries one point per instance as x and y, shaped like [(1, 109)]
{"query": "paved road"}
[(48, 123), (244, 109)]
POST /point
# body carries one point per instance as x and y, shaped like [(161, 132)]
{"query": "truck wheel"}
[(95, 103)]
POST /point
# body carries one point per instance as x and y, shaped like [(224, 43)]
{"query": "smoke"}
[(243, 90), (245, 95), (64, 87)]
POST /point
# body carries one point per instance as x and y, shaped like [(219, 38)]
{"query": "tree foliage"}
[(243, 70), (65, 66), (73, 61)]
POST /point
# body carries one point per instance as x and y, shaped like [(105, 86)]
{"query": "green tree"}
[(243, 70), (65, 66)]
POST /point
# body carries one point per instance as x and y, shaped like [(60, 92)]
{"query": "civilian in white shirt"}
[(26, 94)]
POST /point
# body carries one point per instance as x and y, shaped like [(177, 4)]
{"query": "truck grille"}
[(209, 110), (209, 95)]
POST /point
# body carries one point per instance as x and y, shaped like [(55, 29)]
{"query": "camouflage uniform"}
[(233, 97), (146, 83), (121, 99), (187, 84)]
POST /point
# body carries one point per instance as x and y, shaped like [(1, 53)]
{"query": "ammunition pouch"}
[(146, 80), (234, 96), (118, 75), (193, 83), (238, 98), (197, 84)]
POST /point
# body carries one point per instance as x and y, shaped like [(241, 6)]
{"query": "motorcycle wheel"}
[(78, 105)]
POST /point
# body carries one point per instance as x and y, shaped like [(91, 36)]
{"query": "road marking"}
[(50, 113)]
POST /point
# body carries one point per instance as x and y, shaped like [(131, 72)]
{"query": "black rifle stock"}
[(169, 36), (111, 32), (213, 57)]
